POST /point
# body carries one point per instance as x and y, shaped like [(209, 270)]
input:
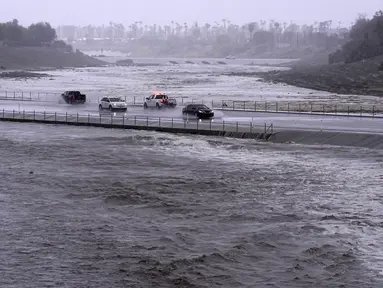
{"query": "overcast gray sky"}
[(84, 12)]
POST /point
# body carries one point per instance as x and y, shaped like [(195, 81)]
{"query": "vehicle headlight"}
[(114, 104)]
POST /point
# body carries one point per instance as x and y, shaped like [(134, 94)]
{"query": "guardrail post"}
[(13, 114), (244, 105), (14, 95), (210, 124), (266, 106), (300, 108), (212, 104), (159, 121), (100, 118), (135, 120), (23, 115), (123, 120), (134, 100), (336, 109), (348, 110), (288, 107), (30, 95), (66, 117), (311, 107), (44, 115), (172, 121), (323, 109), (34, 115), (233, 105), (147, 121), (55, 118), (88, 118), (373, 111), (77, 117), (111, 118), (265, 129), (251, 127), (6, 94), (276, 106), (255, 106), (223, 126), (197, 123), (361, 111), (237, 126), (22, 96)]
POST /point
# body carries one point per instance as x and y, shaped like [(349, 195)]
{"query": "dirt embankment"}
[(23, 74), (12, 58), (359, 78)]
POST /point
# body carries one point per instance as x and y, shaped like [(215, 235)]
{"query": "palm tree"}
[(186, 29), (224, 24), (251, 27)]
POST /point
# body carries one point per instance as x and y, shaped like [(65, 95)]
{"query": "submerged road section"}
[(281, 122), (121, 121), (363, 132)]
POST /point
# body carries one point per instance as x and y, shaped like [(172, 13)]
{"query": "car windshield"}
[(116, 100), (202, 107)]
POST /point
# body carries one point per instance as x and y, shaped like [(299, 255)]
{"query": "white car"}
[(159, 100), (113, 104)]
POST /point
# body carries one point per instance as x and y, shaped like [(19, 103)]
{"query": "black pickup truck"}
[(72, 97)]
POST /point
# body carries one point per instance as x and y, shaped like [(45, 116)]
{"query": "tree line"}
[(38, 34), (263, 35), (365, 40)]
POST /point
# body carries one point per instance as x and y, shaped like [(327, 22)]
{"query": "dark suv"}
[(199, 110), (71, 97)]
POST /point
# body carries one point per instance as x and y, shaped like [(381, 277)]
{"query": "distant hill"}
[(38, 57)]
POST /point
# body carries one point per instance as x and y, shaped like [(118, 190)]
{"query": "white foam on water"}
[(198, 82)]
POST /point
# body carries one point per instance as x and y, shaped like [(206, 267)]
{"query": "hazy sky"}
[(84, 12)]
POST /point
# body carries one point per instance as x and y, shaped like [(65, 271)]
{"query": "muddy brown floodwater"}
[(89, 207), (192, 81)]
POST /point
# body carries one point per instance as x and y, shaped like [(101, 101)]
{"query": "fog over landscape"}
[(87, 12), (191, 144)]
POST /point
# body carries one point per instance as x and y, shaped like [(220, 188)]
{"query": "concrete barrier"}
[(366, 140), (170, 125)]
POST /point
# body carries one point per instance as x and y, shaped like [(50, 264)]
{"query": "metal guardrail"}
[(294, 107), (135, 122), (138, 121)]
